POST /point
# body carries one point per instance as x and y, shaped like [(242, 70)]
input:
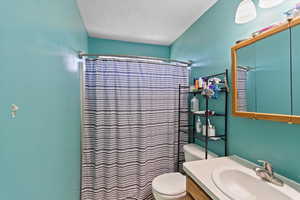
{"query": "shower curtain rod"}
[(81, 55)]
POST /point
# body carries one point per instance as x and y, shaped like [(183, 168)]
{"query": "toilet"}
[(172, 186)]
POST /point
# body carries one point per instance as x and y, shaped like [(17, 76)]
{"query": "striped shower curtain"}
[(130, 126)]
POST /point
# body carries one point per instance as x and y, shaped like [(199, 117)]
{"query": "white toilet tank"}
[(194, 152)]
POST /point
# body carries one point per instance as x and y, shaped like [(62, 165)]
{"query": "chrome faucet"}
[(266, 173)]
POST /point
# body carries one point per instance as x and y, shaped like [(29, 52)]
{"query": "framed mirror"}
[(265, 75)]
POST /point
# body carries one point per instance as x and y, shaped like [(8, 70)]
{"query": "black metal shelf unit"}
[(191, 128), (183, 124)]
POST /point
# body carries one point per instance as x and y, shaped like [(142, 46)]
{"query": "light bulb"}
[(269, 3), (246, 12)]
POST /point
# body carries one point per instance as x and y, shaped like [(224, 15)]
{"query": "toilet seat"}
[(158, 196), (171, 185)]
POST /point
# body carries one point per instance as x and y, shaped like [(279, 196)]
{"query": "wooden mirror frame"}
[(291, 119)]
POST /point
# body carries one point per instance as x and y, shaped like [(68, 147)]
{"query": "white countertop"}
[(201, 172)]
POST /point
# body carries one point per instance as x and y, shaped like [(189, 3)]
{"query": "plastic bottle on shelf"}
[(197, 84), (198, 125), (211, 130), (200, 82), (195, 104)]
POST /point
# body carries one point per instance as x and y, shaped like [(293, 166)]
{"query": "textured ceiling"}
[(145, 21)]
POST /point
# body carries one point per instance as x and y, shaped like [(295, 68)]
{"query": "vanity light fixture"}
[(269, 3), (246, 12)]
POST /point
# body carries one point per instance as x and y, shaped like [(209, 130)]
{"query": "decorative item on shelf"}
[(264, 30), (293, 13), (208, 92), (212, 87), (269, 3), (215, 80), (290, 14), (239, 41), (246, 12), (216, 90)]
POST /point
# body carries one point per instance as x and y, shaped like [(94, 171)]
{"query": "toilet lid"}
[(170, 184)]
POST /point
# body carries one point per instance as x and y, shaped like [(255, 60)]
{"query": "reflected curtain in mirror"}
[(242, 89)]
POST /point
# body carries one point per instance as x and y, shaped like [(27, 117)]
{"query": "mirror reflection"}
[(264, 75), (295, 32)]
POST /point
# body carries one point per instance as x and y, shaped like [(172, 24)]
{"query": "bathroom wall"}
[(40, 148), (103, 46), (207, 42)]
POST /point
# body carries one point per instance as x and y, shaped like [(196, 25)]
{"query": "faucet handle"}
[(267, 165)]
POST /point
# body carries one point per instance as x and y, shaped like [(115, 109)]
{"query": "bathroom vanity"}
[(194, 191), (233, 178)]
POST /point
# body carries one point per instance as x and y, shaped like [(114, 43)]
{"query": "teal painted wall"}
[(207, 42), (40, 149), (103, 46)]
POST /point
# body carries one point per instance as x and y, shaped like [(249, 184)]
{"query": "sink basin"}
[(242, 184)]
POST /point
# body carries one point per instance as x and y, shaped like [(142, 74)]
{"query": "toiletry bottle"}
[(204, 128), (211, 130), (195, 104), (204, 84), (200, 83), (192, 88), (197, 84), (198, 125)]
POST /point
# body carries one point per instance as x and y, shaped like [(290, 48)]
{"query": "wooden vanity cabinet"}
[(194, 192)]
